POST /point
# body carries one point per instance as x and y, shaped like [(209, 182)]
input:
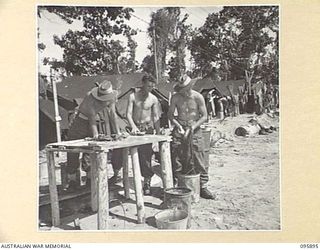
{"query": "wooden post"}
[(56, 107), (94, 182), (125, 155), (169, 101), (103, 193), (155, 53), (137, 184), (55, 213), (165, 163), (64, 175)]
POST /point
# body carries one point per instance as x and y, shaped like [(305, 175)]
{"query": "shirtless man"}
[(192, 112), (143, 116), (85, 124)]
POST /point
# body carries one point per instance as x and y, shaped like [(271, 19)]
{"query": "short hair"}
[(148, 78)]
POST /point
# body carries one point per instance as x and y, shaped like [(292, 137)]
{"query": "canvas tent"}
[(221, 87), (72, 90), (163, 101), (47, 126), (42, 87), (77, 86)]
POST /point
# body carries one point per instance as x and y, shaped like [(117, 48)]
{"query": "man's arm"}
[(203, 115), (113, 118), (134, 128), (171, 110), (202, 112), (156, 115), (93, 125)]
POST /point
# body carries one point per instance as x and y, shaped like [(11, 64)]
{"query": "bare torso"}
[(142, 107), (187, 106)]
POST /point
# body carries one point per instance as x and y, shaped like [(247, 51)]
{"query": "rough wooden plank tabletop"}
[(130, 141)]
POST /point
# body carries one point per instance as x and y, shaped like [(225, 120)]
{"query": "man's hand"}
[(187, 132), (135, 130), (96, 137), (181, 130)]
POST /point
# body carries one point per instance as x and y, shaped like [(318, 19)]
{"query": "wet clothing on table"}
[(188, 155)]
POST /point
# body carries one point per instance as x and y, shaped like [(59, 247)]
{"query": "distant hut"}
[(225, 93)]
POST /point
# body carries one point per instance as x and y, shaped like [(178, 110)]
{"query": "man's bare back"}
[(90, 107)]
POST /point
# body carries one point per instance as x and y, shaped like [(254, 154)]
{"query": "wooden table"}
[(98, 151)]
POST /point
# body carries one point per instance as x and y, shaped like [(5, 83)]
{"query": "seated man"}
[(143, 116), (188, 156), (85, 125)]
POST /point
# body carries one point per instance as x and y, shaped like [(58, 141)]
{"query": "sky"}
[(50, 24)]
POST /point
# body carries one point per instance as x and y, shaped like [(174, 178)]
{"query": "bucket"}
[(172, 219), (193, 183), (179, 199)]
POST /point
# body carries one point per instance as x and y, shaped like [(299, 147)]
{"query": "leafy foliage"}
[(94, 50), (163, 29), (238, 39), (177, 65), (41, 46), (148, 65), (130, 64)]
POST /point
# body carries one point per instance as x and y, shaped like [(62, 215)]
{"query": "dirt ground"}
[(244, 173)]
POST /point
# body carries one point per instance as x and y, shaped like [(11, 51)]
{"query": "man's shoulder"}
[(88, 98), (176, 95), (197, 94), (132, 95), (153, 97)]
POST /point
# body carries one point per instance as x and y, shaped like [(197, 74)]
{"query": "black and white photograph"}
[(158, 118)]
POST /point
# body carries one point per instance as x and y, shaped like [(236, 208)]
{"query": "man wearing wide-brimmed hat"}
[(187, 149), (85, 122)]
